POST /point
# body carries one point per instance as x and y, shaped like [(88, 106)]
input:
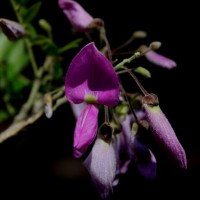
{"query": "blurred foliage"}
[(13, 61), (16, 61)]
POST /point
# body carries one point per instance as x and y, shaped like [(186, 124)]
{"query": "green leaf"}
[(20, 83), (40, 40), (10, 108), (23, 11), (32, 12), (31, 31), (73, 44), (6, 46), (17, 60), (143, 71), (2, 77), (22, 2), (50, 49), (3, 115), (58, 72)]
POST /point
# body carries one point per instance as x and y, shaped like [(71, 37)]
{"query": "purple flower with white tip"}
[(77, 15), (101, 164), (160, 60), (163, 132), (91, 79)]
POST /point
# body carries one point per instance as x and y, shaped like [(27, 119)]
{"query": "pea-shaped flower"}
[(91, 79)]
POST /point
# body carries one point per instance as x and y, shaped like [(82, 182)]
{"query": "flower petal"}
[(78, 17), (144, 158), (123, 142), (77, 109), (101, 164), (165, 135), (160, 60), (148, 170), (91, 74), (85, 130)]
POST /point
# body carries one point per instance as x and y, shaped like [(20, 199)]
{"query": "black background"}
[(39, 163)]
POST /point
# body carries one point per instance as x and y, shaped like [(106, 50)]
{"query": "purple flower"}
[(85, 130), (135, 149), (163, 131), (128, 148), (124, 142), (144, 158), (91, 78), (78, 17), (11, 29), (101, 164), (160, 60)]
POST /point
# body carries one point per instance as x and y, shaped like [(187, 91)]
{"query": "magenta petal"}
[(101, 164), (85, 130), (76, 14), (160, 60), (91, 74), (165, 135)]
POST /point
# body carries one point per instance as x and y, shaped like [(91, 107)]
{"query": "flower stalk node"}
[(150, 99)]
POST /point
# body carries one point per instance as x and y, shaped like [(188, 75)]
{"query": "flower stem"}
[(104, 37), (27, 106), (137, 81), (107, 121), (129, 103), (27, 41), (123, 45), (127, 60)]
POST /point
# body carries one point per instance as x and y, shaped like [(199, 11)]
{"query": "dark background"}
[(38, 162)]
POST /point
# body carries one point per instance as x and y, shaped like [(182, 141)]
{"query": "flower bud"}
[(163, 132), (45, 25), (143, 71), (139, 34), (11, 29), (155, 45)]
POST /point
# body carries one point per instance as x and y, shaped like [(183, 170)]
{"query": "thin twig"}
[(127, 60), (18, 126)]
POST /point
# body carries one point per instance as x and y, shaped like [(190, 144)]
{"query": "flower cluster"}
[(93, 83), (93, 88)]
